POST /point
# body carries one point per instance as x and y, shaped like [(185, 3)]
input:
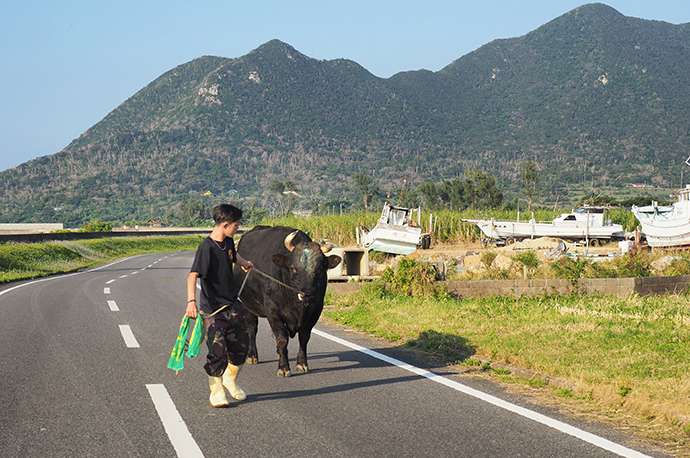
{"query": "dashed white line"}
[(175, 427), (123, 276), (106, 290), (498, 402), (58, 277), (109, 281), (113, 306), (149, 266), (128, 336), (134, 273)]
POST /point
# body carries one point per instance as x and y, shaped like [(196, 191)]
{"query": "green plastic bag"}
[(196, 339), (176, 360)]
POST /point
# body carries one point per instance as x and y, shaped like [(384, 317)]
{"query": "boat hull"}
[(667, 229), (521, 230), (388, 238)]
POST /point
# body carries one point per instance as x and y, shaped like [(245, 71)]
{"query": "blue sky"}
[(66, 64)]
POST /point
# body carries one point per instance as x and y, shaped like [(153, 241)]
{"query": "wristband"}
[(191, 300)]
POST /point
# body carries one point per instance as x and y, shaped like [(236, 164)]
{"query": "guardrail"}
[(97, 235)]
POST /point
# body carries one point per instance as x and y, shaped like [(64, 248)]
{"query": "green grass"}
[(19, 261), (614, 354)]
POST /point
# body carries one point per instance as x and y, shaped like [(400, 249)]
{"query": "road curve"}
[(82, 365)]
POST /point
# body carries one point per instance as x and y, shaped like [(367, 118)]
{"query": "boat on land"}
[(583, 223), (666, 226), (395, 232)]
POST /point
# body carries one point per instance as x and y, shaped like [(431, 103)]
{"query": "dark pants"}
[(227, 339)]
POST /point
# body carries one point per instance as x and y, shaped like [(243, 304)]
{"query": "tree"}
[(430, 194), (454, 194), (480, 190), (529, 175), (365, 187), (193, 211)]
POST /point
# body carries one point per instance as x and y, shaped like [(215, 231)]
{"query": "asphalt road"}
[(81, 376)]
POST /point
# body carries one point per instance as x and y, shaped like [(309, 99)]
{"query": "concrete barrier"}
[(621, 287), (29, 228)]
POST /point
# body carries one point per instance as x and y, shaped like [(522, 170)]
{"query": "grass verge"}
[(21, 261), (623, 359)]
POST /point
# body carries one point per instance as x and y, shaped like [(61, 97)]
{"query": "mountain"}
[(590, 95)]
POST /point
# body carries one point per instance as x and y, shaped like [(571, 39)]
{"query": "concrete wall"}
[(29, 228), (621, 287)]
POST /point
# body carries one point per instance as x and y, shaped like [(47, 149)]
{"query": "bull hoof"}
[(283, 372), (252, 360), (302, 368)]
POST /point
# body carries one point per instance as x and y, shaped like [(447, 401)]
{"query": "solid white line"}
[(113, 306), (109, 281), (527, 413), (106, 290), (175, 427), (128, 336), (57, 277)]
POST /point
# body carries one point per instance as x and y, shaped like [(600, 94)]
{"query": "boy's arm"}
[(191, 294), (244, 264)]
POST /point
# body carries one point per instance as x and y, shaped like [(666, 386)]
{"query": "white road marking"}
[(498, 402), (123, 276), (175, 427), (149, 266), (113, 306), (109, 281), (57, 277), (106, 290), (135, 272), (128, 336)]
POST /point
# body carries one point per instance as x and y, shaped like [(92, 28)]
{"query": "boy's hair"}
[(226, 213)]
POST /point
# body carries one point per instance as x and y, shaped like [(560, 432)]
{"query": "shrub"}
[(410, 278), (677, 267), (96, 225), (487, 259), (631, 265), (528, 260), (570, 269)]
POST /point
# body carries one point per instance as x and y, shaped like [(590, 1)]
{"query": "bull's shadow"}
[(431, 350)]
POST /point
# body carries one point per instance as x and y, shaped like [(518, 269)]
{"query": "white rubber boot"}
[(217, 398), (230, 382)]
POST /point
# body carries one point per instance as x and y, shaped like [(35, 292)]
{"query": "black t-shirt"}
[(213, 262)]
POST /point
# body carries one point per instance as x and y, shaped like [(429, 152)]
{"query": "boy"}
[(224, 316)]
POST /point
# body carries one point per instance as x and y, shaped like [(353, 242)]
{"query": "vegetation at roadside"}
[(624, 357), (19, 261)]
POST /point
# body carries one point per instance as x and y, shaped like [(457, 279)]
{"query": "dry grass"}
[(619, 357)]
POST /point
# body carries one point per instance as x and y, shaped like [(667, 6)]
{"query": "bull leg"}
[(281, 334), (252, 329), (302, 366)]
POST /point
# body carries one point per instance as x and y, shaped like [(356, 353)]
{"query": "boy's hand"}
[(191, 310), (247, 266)]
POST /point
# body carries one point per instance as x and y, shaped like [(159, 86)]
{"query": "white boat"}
[(665, 226), (582, 223), (394, 233)]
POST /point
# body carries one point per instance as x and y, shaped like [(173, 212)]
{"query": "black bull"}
[(293, 258)]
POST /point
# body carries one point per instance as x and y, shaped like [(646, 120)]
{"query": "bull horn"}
[(326, 247), (288, 241)]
